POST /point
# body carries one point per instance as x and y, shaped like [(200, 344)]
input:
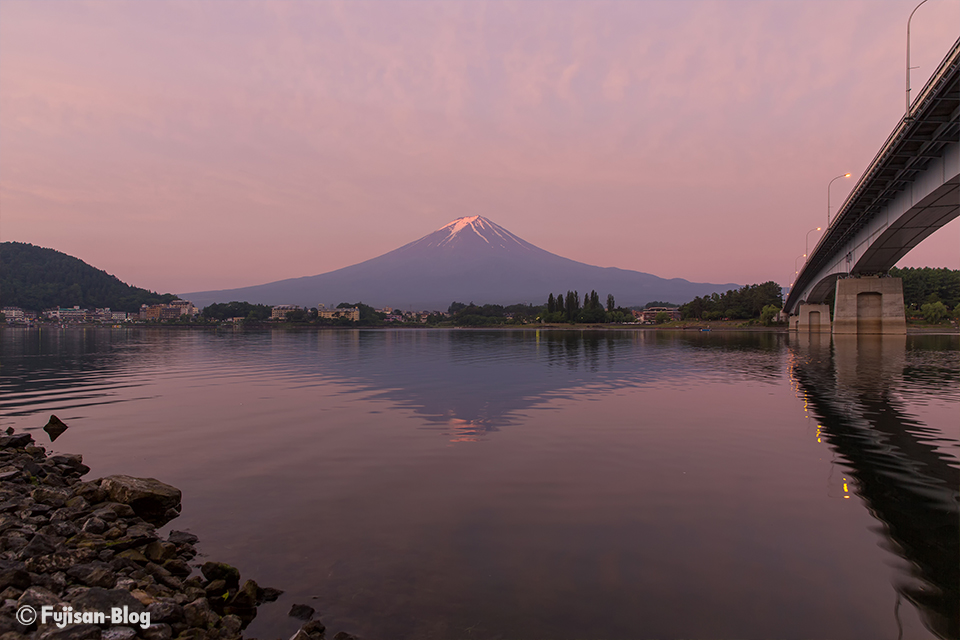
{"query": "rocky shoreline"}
[(82, 560)]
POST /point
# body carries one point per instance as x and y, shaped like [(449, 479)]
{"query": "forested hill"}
[(35, 278)]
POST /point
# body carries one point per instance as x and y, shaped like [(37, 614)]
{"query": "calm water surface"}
[(499, 484)]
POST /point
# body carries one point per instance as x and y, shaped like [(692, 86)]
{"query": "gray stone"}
[(90, 491), (13, 574), (159, 551), (177, 567), (99, 599), (230, 626), (61, 528), (68, 459), (17, 441), (10, 593), (37, 597), (119, 633), (94, 525), (79, 503), (122, 510), (54, 427), (314, 628), (216, 588), (199, 615), (39, 545), (51, 497), (161, 631), (93, 574), (72, 632), (149, 498), (249, 595), (221, 571), (182, 537), (168, 612), (104, 514), (126, 583), (270, 594), (56, 582), (32, 468), (301, 611)]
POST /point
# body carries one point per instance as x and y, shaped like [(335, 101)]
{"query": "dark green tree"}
[(935, 312), (36, 278), (744, 303), (926, 284), (226, 310), (573, 305), (768, 314)]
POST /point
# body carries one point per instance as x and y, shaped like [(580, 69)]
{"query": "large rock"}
[(39, 545), (13, 574), (72, 632), (152, 500), (54, 428), (17, 441), (99, 599), (93, 574), (221, 571)]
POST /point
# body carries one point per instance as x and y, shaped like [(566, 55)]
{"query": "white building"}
[(351, 313), (280, 311)]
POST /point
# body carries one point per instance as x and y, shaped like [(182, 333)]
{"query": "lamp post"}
[(907, 114), (846, 175), (806, 246), (796, 269)]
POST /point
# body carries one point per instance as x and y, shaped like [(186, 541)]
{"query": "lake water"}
[(535, 484)]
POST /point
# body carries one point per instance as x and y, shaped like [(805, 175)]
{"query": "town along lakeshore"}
[(483, 484)]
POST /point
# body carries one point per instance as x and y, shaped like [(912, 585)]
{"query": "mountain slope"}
[(469, 260), (36, 278)]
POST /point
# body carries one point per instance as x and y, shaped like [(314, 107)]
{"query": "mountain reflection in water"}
[(559, 483)]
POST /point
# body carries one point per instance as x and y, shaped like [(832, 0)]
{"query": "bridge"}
[(911, 189)]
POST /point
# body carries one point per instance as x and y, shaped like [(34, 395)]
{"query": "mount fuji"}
[(468, 260)]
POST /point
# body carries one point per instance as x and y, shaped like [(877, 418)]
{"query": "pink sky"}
[(185, 146)]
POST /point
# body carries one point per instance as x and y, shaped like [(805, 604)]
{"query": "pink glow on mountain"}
[(474, 226)]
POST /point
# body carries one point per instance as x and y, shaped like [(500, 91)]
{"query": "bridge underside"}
[(911, 189), (884, 248), (910, 229)]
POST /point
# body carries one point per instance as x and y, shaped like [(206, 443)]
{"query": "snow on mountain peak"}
[(475, 228), (459, 224)]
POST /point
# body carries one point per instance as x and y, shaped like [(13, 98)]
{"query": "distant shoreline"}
[(731, 326)]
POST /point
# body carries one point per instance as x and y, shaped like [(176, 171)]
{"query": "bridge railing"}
[(939, 77), (838, 230)]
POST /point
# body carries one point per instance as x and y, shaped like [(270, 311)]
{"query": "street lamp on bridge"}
[(796, 269), (907, 115), (846, 175), (806, 246)]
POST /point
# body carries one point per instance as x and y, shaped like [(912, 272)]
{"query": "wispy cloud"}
[(646, 135)]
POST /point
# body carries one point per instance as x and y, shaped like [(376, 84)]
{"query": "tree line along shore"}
[(34, 280)]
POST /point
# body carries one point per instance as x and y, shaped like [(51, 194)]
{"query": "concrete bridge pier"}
[(813, 318), (869, 305)]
